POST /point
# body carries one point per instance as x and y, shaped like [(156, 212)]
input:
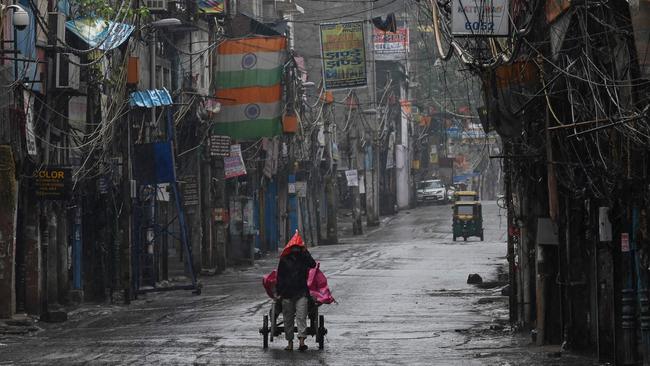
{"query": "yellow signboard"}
[(344, 55), (52, 183)]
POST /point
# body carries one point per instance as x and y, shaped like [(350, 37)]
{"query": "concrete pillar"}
[(220, 229), (52, 259), (8, 206), (402, 159), (33, 283), (208, 262), (372, 185), (403, 171), (195, 237), (63, 278)]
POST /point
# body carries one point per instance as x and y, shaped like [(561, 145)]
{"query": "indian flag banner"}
[(249, 87)]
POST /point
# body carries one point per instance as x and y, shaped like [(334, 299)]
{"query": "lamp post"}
[(20, 16), (20, 21)]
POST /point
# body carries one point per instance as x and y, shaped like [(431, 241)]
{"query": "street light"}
[(20, 17)]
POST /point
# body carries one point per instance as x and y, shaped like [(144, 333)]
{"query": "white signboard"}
[(480, 18), (352, 177), (391, 46), (301, 189)]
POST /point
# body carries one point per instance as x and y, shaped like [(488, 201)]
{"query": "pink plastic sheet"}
[(316, 283)]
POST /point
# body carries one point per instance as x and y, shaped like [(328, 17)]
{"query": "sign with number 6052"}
[(483, 19)]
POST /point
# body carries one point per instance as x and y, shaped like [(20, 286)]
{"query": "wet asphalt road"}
[(402, 300)]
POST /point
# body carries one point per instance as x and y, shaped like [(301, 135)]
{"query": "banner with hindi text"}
[(344, 55)]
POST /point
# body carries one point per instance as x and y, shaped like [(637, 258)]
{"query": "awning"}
[(150, 98), (105, 35)]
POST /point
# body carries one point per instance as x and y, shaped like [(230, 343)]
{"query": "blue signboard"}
[(453, 132)]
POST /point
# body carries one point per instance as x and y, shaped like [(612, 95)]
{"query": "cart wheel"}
[(320, 336), (265, 331), (464, 238), (273, 322), (481, 235), (453, 238)]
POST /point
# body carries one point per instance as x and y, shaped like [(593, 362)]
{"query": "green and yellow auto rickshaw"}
[(468, 220), (465, 196)]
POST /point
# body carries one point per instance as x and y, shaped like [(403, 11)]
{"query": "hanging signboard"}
[(352, 178), (52, 183), (343, 51), (219, 145), (234, 164), (30, 137), (391, 46), (301, 189), (471, 18), (190, 186)]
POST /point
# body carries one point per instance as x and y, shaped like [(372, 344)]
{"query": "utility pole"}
[(372, 158), (353, 145), (512, 269), (330, 180)]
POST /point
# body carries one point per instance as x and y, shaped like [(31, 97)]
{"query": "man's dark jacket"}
[(292, 274)]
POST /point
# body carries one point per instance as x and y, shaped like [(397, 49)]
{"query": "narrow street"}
[(402, 299)]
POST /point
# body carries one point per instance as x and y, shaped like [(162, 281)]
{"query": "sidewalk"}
[(345, 225)]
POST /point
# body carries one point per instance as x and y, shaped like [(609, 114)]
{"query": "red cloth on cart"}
[(318, 288), (269, 281), (316, 282)]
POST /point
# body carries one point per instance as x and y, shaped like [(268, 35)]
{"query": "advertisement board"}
[(52, 183), (219, 145), (234, 164), (471, 18), (344, 55), (391, 46)]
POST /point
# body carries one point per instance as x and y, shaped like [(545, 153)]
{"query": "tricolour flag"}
[(249, 87)]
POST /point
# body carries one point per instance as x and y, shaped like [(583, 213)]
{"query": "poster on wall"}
[(234, 164), (352, 178), (344, 55), (391, 46)]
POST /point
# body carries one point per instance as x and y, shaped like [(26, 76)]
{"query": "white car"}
[(431, 191)]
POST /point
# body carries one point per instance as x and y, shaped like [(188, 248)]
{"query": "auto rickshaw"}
[(465, 196), (468, 220)]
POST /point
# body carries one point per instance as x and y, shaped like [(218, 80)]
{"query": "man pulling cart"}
[(298, 288)]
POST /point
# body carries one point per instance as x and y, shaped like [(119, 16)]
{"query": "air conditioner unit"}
[(67, 71), (156, 5), (56, 25)]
